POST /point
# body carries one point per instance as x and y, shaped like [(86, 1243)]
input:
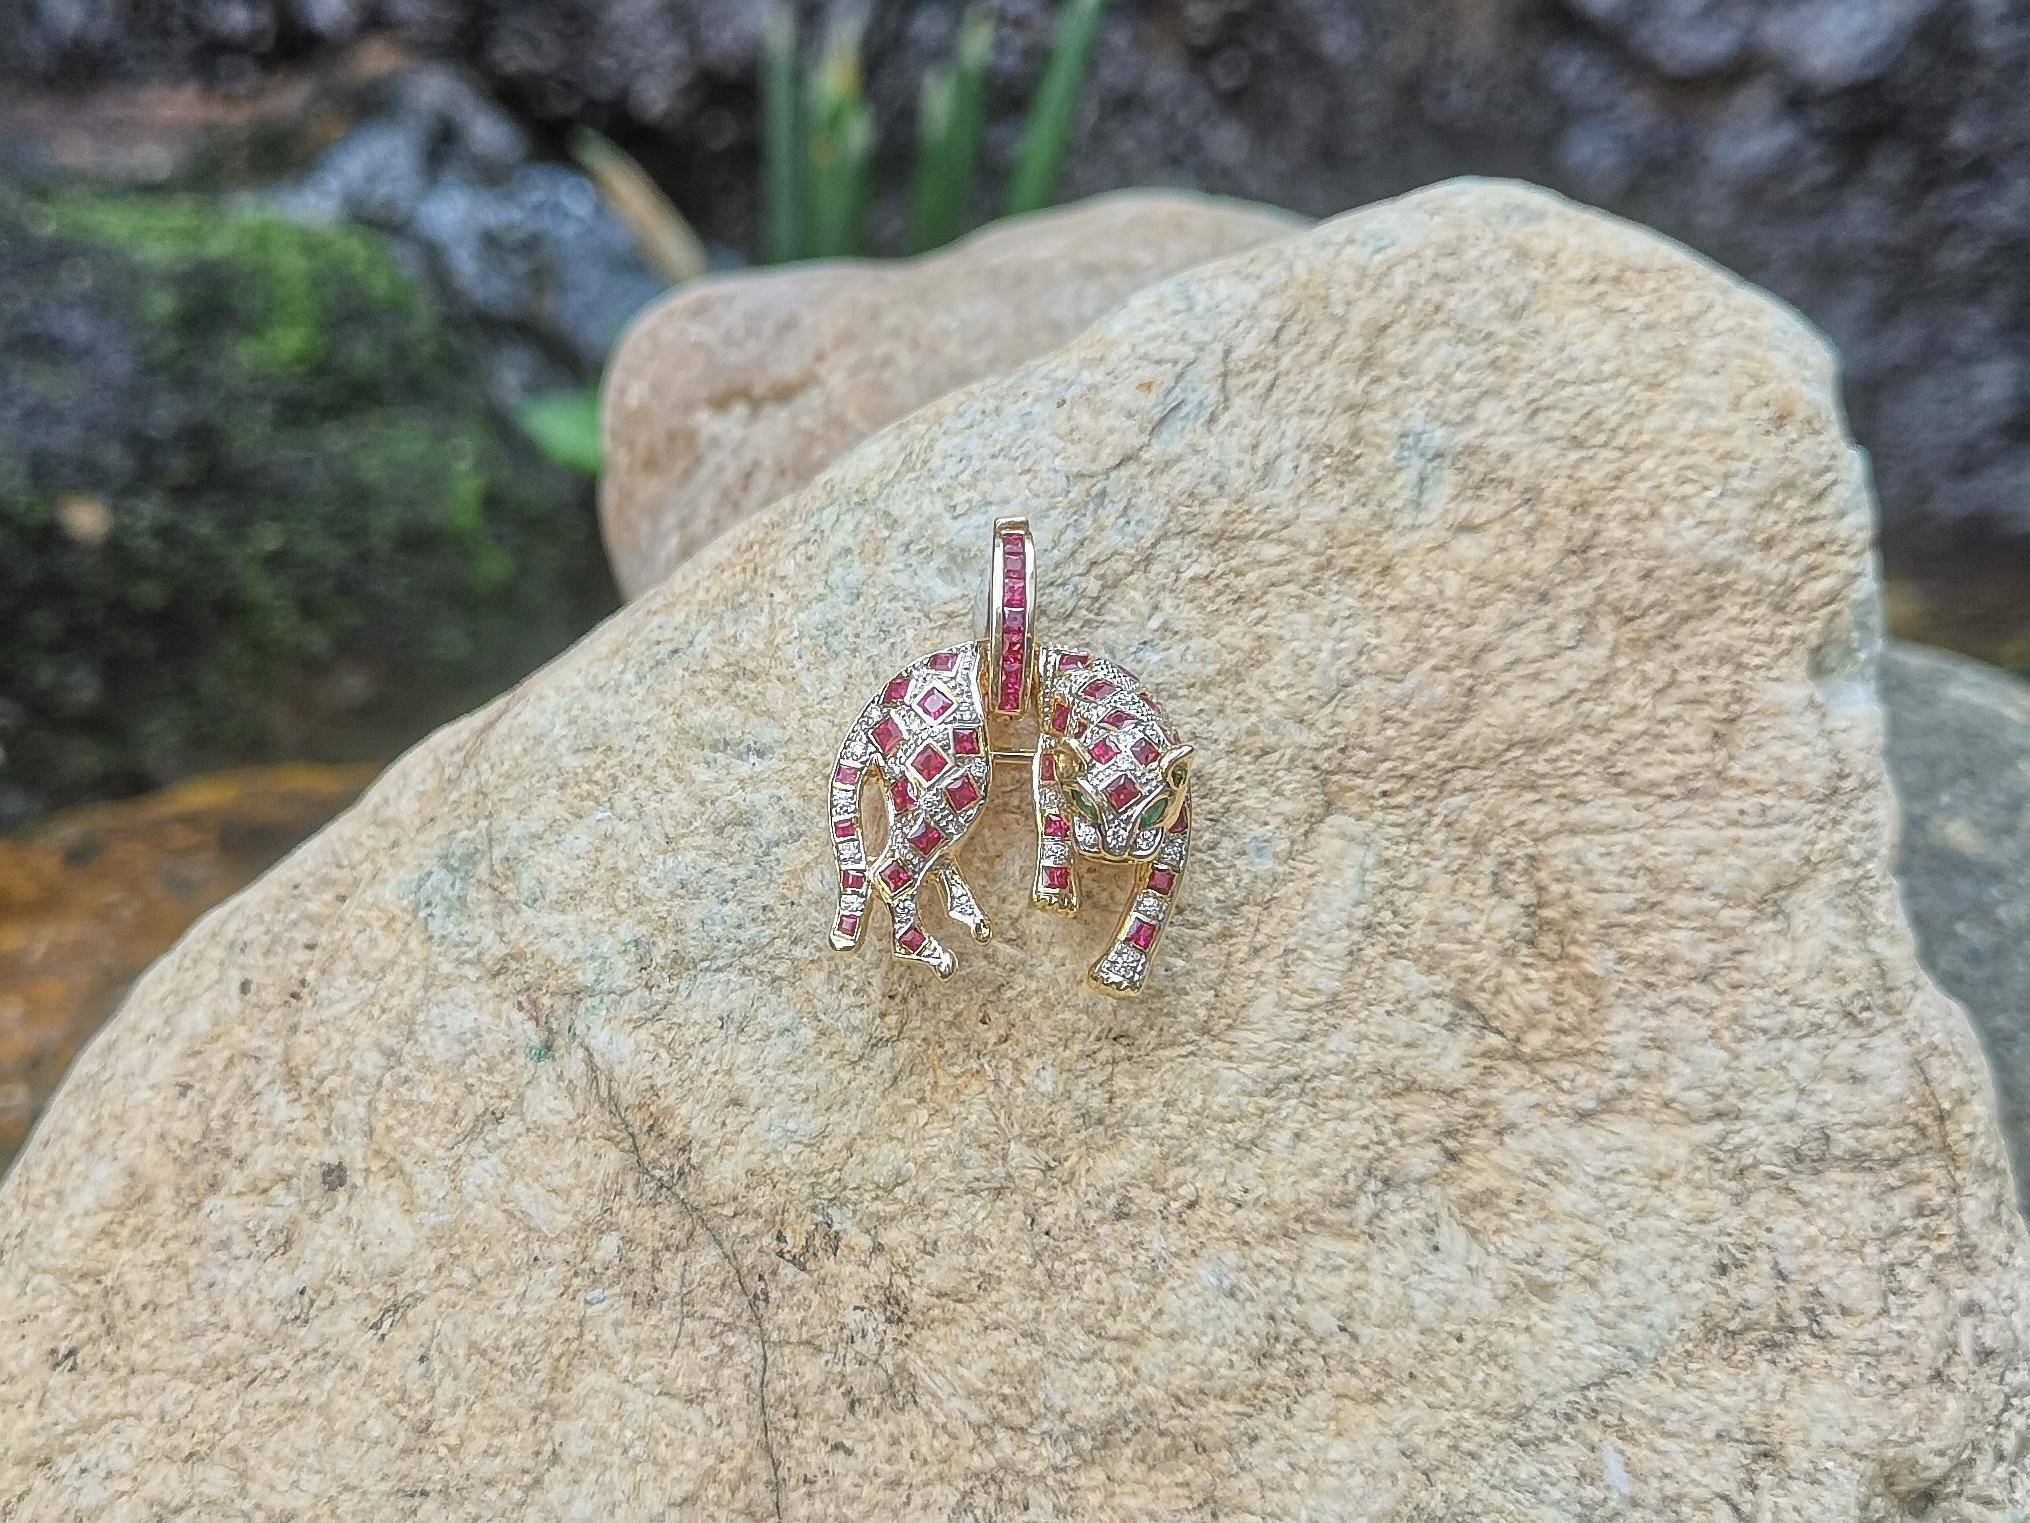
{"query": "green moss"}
[(307, 487)]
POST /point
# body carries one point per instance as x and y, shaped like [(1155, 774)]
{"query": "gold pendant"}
[(1108, 779)]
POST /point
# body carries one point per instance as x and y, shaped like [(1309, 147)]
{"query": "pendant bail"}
[(1011, 618)]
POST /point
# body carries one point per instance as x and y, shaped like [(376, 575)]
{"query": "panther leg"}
[(960, 903), (912, 942), (1125, 964), (1056, 885)]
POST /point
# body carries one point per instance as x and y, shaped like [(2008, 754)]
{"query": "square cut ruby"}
[(934, 703), (1056, 877), (1140, 934), (852, 880), (1012, 623), (944, 661), (1072, 658), (1013, 596), (1046, 766), (1011, 695), (845, 777), (1011, 655), (1060, 716), (966, 742), (927, 839), (1099, 687), (1103, 750), (911, 939), (928, 762), (1011, 548), (899, 792), (1119, 719), (1161, 880), (962, 792), (1054, 826), (1183, 820), (886, 735), (1121, 792), (896, 874), (845, 830), (1143, 751), (848, 924), (897, 689)]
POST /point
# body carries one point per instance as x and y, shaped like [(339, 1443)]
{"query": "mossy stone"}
[(254, 499)]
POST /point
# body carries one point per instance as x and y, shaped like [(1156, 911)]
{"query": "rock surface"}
[(1540, 1112), (1959, 750), (735, 390)]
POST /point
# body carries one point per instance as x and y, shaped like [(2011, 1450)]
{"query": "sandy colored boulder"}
[(735, 390), (1538, 1113)]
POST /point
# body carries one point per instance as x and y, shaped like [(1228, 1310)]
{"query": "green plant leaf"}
[(564, 426), (841, 145), (782, 138), (951, 121), (660, 231), (1047, 131)]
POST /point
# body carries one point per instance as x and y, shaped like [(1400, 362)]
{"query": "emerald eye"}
[(1154, 814), (1083, 806)]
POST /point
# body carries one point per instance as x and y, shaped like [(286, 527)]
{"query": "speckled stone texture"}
[(1538, 1113), (737, 389)]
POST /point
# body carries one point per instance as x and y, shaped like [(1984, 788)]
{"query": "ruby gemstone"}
[(911, 939), (852, 880), (1099, 687), (934, 703), (962, 792), (845, 830), (1140, 934), (928, 839), (1046, 766), (966, 742), (1161, 880), (1103, 750), (1060, 716), (1120, 719), (1143, 752), (1054, 826), (944, 661), (896, 874), (928, 762), (899, 792), (848, 924), (846, 777), (897, 689), (886, 735), (1072, 658), (1121, 792), (1056, 877), (1012, 595)]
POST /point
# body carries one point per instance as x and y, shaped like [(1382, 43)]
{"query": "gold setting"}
[(1109, 780)]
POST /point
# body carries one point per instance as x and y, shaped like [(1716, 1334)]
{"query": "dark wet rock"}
[(1959, 751), (255, 500), (528, 248)]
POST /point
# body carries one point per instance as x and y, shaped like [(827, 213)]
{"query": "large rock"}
[(735, 390), (1959, 750), (1539, 1111)]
